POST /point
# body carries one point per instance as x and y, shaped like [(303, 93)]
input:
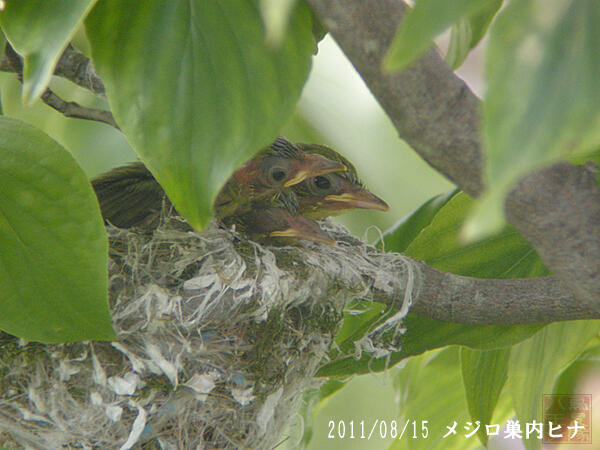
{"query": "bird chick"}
[(130, 195), (331, 194), (276, 220), (279, 166)]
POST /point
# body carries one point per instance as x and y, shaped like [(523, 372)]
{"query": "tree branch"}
[(72, 65), (12, 61), (439, 116), (78, 68), (558, 209), (432, 109), (451, 298), (75, 110)]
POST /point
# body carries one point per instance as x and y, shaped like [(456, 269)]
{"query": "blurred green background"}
[(336, 109)]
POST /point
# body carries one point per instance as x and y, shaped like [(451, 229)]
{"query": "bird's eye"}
[(322, 183), (277, 174)]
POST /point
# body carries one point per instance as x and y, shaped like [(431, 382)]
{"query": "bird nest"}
[(218, 340)]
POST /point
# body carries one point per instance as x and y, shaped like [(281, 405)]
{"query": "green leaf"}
[(569, 379), (543, 100), (2, 47), (195, 88), (427, 391), (460, 43), (484, 374), (535, 364), (53, 246), (312, 403), (398, 238), (425, 334), (359, 317), (480, 20), (39, 30), (468, 31), (423, 23), (504, 255)]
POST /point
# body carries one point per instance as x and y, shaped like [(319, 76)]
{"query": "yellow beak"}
[(362, 199)]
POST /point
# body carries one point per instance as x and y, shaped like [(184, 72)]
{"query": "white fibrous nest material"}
[(218, 339)]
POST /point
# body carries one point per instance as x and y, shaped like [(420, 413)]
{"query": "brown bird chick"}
[(275, 219), (334, 193), (131, 196), (279, 166)]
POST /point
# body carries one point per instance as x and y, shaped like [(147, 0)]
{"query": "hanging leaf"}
[(195, 88), (468, 31), (535, 365), (39, 30), (484, 374), (53, 246), (543, 100), (422, 24)]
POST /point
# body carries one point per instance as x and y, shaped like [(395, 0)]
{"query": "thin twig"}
[(14, 61), (75, 110), (73, 66), (76, 67), (67, 109)]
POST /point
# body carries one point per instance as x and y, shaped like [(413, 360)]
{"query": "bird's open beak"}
[(361, 199), (303, 228), (314, 165)]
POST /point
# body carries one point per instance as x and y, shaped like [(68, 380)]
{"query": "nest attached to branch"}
[(218, 340)]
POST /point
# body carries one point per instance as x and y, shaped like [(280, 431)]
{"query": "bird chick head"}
[(334, 193), (274, 168)]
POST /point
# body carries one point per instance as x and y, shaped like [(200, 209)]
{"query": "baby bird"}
[(130, 195), (276, 220), (279, 166), (334, 193)]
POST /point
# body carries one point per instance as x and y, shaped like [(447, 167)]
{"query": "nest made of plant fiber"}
[(218, 339)]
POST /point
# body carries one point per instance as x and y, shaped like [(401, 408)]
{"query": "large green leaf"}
[(536, 363), (484, 374), (423, 23), (434, 236), (543, 99), (399, 237), (53, 246), (431, 400), (39, 30), (572, 376), (429, 389), (503, 255), (195, 88)]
